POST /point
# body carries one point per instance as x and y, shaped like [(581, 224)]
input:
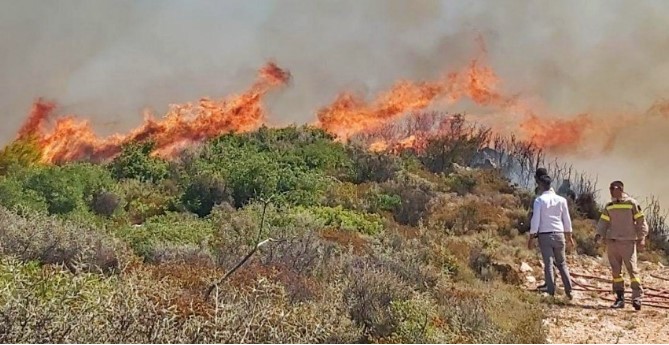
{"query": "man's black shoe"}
[(618, 304), (636, 304), (569, 295)]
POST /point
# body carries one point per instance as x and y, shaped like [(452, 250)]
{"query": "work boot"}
[(620, 301), (636, 304)]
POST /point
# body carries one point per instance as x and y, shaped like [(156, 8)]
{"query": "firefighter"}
[(623, 227)]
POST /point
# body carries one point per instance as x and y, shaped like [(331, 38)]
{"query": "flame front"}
[(71, 139), (394, 119), (350, 114)]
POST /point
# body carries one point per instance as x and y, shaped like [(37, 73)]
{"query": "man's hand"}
[(641, 244), (570, 242), (530, 243)]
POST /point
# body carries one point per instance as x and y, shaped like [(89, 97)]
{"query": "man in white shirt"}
[(551, 224)]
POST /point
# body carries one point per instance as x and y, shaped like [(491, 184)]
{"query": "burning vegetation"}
[(71, 139), (392, 120)]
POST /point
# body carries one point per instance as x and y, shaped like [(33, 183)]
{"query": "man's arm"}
[(536, 217), (566, 218), (566, 223), (603, 224), (640, 224)]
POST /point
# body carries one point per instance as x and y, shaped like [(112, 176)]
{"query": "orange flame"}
[(392, 121), (72, 139), (350, 114)]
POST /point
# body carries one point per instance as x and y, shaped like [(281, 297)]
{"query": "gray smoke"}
[(108, 60)]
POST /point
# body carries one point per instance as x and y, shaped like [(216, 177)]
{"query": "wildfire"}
[(557, 134), (350, 114), (393, 120), (71, 139)]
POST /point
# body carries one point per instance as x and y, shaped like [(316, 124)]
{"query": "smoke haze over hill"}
[(107, 61)]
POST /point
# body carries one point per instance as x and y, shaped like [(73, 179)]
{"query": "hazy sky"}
[(107, 60)]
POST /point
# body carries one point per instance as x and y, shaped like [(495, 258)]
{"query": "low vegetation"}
[(356, 246)]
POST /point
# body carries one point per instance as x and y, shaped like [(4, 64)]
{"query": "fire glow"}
[(67, 138)]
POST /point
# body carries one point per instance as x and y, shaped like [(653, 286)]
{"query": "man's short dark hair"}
[(617, 184), (540, 172), (545, 181)]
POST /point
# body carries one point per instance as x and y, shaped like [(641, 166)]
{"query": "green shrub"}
[(62, 189), (366, 223), (203, 193), (136, 162), (171, 228), (387, 202), (19, 155), (416, 324), (143, 200), (13, 195), (254, 168)]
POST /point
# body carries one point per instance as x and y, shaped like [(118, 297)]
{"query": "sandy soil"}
[(589, 319)]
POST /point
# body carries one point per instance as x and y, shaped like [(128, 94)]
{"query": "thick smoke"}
[(108, 60)]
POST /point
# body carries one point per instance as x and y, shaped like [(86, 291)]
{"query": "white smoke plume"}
[(108, 60)]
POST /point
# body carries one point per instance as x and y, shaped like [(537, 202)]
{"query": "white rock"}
[(531, 279), (524, 267)]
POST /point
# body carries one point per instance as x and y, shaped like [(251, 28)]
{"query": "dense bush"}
[(168, 229), (370, 295), (261, 164), (18, 155), (141, 309), (47, 240), (372, 167), (13, 195), (63, 189), (203, 193), (136, 162), (365, 223), (105, 203), (143, 200)]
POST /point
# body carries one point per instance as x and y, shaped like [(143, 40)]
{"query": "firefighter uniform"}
[(621, 225)]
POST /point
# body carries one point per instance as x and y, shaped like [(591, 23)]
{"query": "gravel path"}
[(588, 318)]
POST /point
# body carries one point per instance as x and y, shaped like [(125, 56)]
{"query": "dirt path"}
[(588, 318)]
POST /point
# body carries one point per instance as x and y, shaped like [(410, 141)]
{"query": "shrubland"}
[(362, 246)]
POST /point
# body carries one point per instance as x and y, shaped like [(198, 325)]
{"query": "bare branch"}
[(258, 244)]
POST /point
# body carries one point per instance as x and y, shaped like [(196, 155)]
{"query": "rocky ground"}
[(589, 319)]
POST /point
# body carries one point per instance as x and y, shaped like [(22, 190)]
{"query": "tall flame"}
[(394, 119), (350, 114), (71, 139)]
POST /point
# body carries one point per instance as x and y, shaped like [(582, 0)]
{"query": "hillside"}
[(352, 245)]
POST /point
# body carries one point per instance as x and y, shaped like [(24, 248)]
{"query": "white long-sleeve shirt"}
[(550, 214)]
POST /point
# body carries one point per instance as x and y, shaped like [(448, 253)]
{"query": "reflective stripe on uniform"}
[(605, 217), (620, 207), (636, 280), (618, 280), (638, 215)]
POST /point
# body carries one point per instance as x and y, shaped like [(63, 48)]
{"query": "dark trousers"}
[(552, 248)]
